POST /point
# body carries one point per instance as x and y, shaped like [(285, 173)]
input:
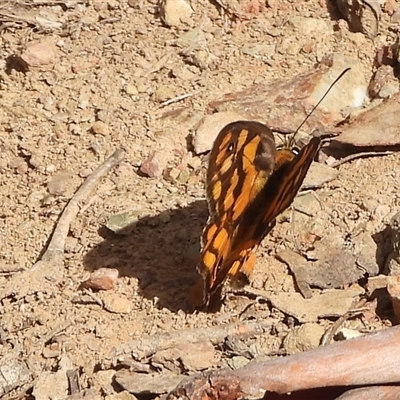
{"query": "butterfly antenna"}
[(319, 102)]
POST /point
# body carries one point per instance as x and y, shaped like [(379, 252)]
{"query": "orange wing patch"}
[(249, 183)]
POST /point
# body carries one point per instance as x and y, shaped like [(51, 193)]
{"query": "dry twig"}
[(364, 361), (147, 346), (50, 265), (331, 332), (375, 392), (178, 98), (360, 155), (58, 329), (56, 246), (96, 299)]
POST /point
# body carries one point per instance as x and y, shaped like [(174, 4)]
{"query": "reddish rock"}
[(153, 166), (39, 54), (102, 279)]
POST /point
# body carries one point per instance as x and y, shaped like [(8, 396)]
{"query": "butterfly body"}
[(249, 183)]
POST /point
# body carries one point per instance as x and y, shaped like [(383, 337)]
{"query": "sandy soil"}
[(116, 62)]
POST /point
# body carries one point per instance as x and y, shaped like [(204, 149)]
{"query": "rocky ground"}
[(80, 79)]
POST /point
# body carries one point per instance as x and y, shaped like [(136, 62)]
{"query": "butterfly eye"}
[(231, 147), (295, 150)]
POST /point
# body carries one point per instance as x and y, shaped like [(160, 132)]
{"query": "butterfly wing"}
[(248, 185), (241, 161), (259, 217), (276, 196)]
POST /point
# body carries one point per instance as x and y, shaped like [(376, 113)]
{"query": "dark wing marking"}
[(242, 152), (241, 161), (259, 218), (276, 196)]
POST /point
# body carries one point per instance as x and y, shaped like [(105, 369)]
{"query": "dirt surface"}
[(116, 62)]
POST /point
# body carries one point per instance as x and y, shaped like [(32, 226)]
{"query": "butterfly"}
[(250, 181)]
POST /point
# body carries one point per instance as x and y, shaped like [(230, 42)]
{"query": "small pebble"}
[(100, 128), (102, 279), (346, 333), (100, 5), (165, 217), (174, 173), (174, 12), (117, 304), (152, 166), (163, 93), (84, 173), (16, 162), (51, 353), (304, 337), (22, 168), (184, 177), (237, 362), (58, 183), (132, 90), (122, 222), (125, 395), (39, 54), (194, 162)]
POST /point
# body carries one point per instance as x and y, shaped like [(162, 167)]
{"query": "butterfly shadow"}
[(160, 251)]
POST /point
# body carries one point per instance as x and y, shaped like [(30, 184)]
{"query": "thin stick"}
[(147, 346), (58, 329), (331, 332), (93, 297), (57, 243), (73, 381), (178, 98), (360, 155), (49, 267)]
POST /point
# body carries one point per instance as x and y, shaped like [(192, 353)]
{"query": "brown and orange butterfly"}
[(249, 183)]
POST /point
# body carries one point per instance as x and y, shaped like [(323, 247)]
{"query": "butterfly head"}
[(287, 150)]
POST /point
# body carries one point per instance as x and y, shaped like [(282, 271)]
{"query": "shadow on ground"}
[(162, 255)]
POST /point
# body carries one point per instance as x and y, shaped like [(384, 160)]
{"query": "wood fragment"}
[(49, 267), (178, 98), (95, 298), (73, 381), (355, 156), (389, 392), (372, 392), (145, 384), (58, 329), (147, 346), (363, 361), (9, 269), (160, 64), (331, 332), (60, 233)]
